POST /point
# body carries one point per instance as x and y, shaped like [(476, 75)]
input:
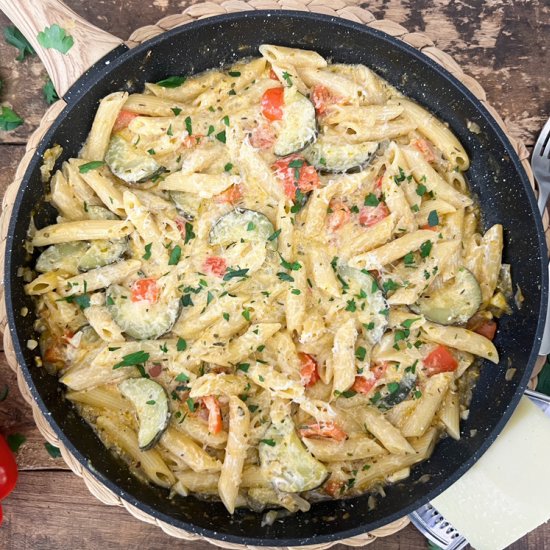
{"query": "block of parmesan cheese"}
[(506, 494)]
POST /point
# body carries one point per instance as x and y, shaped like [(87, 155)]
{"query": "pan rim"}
[(452, 82)]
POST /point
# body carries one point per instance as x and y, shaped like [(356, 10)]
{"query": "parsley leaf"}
[(53, 451), (287, 78), (425, 249), (231, 273), (243, 366), (360, 353), (182, 377), (285, 277), (172, 82), (50, 95), (15, 441), (56, 38), (189, 234), (390, 284), (189, 125), (181, 345), (14, 37), (147, 254), (371, 200), (292, 266), (175, 255), (234, 74), (433, 218), (408, 259), (421, 189), (93, 165), (269, 442), (228, 167), (191, 404), (176, 110), (221, 136), (9, 119), (132, 359), (274, 235)]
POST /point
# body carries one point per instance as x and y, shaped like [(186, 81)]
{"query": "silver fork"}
[(540, 163)]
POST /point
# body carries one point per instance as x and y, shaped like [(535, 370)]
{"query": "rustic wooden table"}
[(502, 43)]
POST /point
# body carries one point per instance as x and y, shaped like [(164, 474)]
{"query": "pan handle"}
[(90, 42)]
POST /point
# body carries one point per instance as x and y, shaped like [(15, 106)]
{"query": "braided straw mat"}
[(336, 8)]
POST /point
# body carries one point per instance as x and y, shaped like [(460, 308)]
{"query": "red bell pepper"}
[(8, 471)]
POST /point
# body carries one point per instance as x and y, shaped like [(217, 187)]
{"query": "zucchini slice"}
[(63, 256), (286, 462), (335, 157), (96, 212), (242, 225), (102, 252), (129, 163), (141, 320), (453, 303), (187, 204), (151, 404), (298, 126), (395, 392), (374, 314)]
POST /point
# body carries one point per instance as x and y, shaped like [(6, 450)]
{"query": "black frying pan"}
[(496, 177)]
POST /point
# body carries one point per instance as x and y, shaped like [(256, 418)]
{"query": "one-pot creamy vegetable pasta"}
[(266, 284)]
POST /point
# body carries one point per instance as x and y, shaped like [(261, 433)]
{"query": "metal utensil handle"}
[(90, 42)]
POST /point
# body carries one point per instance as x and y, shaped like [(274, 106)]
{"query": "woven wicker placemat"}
[(336, 8)]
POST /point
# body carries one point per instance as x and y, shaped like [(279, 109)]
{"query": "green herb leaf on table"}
[(171, 82), (14, 37), (9, 119), (56, 38), (50, 95), (15, 441), (53, 451)]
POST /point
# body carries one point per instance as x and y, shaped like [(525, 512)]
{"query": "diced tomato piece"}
[(145, 290), (191, 141), (339, 216), (480, 324), (273, 102), (180, 222), (263, 136), (327, 430), (322, 98), (371, 215), (216, 265), (333, 487), (123, 120), (308, 178), (378, 183), (487, 329), (231, 195), (430, 227), (365, 385), (309, 372), (155, 370), (273, 74), (440, 360), (426, 148), (214, 414)]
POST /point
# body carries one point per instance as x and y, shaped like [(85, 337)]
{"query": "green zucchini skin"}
[(101, 253), (335, 158), (62, 256), (287, 463), (298, 127), (454, 303), (241, 224), (406, 384), (141, 320), (186, 204), (151, 404), (129, 163)]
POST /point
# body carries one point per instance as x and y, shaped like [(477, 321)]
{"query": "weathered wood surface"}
[(503, 43)]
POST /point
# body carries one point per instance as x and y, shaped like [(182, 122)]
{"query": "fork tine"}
[(544, 138)]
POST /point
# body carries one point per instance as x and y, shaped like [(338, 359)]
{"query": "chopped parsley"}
[(433, 218), (189, 125), (175, 255), (181, 345), (371, 200), (93, 165), (285, 277), (172, 82), (360, 353), (147, 254), (232, 273), (269, 442), (425, 249), (243, 366), (132, 359)]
